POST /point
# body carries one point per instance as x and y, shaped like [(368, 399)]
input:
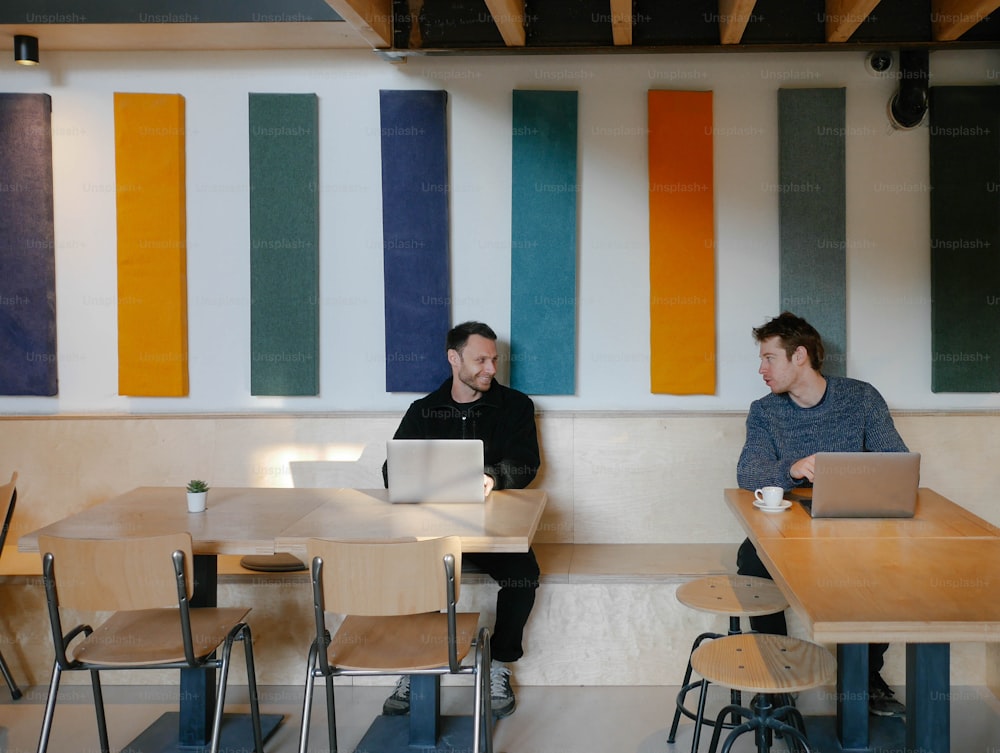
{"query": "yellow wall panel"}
[(152, 245)]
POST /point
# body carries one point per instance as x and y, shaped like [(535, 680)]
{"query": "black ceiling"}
[(424, 27), (163, 11), (679, 25)]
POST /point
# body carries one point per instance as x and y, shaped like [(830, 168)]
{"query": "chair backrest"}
[(383, 578), (8, 497), (118, 574)]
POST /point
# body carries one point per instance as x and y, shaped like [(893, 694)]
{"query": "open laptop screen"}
[(865, 485), (435, 470)]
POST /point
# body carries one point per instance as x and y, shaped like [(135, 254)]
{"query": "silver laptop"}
[(435, 470), (865, 485)]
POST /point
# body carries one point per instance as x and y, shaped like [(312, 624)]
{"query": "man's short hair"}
[(460, 334), (793, 331)]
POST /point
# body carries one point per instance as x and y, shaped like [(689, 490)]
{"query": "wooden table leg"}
[(928, 697), (197, 700), (852, 695), (425, 709)]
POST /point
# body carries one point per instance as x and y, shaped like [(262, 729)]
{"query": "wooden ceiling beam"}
[(621, 22), (843, 17), (508, 15), (733, 18), (950, 19), (371, 19)]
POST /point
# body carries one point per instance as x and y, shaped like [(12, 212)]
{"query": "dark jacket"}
[(503, 418)]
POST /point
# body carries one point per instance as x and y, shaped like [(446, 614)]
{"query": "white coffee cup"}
[(770, 496)]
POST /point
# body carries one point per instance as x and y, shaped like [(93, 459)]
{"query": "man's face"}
[(476, 365), (776, 367)]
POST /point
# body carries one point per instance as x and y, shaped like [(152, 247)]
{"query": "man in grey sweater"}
[(806, 413)]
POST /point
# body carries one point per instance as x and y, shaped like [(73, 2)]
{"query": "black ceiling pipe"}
[(908, 105)]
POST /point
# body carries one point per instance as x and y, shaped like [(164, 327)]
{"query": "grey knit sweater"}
[(851, 417)]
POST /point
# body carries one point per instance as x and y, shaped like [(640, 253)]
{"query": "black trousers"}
[(517, 574), (748, 563)]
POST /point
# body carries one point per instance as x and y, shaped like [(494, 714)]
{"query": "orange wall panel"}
[(681, 243)]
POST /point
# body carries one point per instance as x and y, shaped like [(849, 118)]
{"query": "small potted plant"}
[(197, 492)]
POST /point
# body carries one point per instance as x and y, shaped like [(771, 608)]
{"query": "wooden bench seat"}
[(591, 563)]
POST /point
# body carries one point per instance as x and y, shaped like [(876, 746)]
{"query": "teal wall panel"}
[(284, 244), (543, 282)]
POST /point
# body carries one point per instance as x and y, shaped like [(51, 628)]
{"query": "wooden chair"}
[(773, 667), (8, 497), (736, 596), (144, 582), (392, 594)]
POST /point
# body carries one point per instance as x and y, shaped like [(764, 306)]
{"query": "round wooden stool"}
[(282, 562), (737, 596), (771, 666)]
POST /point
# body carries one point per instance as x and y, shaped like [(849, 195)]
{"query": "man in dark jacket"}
[(473, 405)]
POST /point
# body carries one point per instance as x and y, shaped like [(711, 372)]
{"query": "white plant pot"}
[(196, 501)]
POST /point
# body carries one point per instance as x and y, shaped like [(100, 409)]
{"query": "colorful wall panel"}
[(543, 300), (965, 238), (415, 238), (152, 245), (27, 248), (284, 244), (681, 243), (812, 215)]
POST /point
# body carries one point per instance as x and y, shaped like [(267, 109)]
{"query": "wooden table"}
[(505, 523), (936, 517), (927, 582), (265, 520)]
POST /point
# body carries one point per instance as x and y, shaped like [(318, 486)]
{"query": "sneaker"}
[(399, 702), (501, 695), (880, 699)]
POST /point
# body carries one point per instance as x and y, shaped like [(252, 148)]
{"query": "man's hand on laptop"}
[(804, 468), (488, 483)]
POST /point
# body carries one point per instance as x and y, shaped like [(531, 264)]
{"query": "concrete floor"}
[(548, 719)]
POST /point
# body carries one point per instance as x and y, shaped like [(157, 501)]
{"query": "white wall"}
[(887, 217)]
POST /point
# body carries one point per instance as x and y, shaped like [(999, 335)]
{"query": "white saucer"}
[(785, 504)]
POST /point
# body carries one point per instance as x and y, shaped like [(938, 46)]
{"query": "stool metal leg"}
[(735, 697), (762, 721), (700, 718), (686, 687), (736, 711)]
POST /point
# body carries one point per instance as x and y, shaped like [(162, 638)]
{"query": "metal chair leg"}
[(307, 699), (258, 738), (102, 720), (220, 695), (331, 714), (15, 692), (50, 706), (482, 732), (242, 633)]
